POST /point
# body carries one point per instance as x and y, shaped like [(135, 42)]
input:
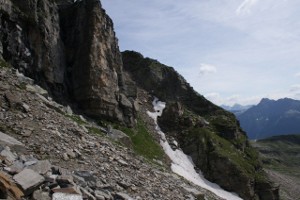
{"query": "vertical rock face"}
[(71, 49), (93, 59), (30, 39)]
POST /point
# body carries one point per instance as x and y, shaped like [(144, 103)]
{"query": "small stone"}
[(79, 180), (9, 156), (30, 162), (78, 152), (26, 107), (15, 168), (65, 156), (87, 194), (70, 153), (123, 184), (36, 89), (123, 196), (41, 167), (8, 140), (64, 179), (51, 177), (64, 196), (100, 195), (26, 133), (40, 195), (68, 110), (86, 175), (28, 180), (122, 162), (68, 190), (82, 118)]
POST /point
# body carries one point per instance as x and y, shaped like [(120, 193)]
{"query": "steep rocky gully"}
[(48, 150)]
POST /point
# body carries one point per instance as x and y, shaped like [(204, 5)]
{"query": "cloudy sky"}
[(230, 51)]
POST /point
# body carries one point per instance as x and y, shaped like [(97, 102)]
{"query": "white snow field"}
[(181, 163)]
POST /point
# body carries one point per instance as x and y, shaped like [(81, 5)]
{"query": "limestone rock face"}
[(94, 61), (70, 49), (30, 39)]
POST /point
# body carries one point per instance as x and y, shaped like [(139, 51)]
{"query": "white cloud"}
[(245, 7), (207, 69), (233, 99)]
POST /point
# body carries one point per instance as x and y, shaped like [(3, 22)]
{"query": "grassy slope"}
[(281, 156)]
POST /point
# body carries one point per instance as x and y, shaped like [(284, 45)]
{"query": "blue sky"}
[(230, 51)]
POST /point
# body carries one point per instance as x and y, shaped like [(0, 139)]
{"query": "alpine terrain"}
[(281, 156), (81, 120)]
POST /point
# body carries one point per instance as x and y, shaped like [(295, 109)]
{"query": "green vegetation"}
[(281, 154), (76, 119), (4, 64), (226, 149), (95, 130), (143, 143)]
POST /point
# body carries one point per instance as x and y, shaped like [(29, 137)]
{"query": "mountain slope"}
[(206, 132), (271, 117), (83, 155), (70, 49), (281, 156)]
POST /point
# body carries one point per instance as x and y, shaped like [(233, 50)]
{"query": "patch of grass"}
[(246, 161), (143, 143), (76, 119), (280, 154), (95, 130), (4, 64)]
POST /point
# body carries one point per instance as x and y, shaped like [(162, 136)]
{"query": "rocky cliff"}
[(70, 49)]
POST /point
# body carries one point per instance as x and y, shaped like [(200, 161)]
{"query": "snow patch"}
[(181, 163)]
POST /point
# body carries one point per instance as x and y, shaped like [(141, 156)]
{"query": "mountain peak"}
[(271, 117), (266, 100)]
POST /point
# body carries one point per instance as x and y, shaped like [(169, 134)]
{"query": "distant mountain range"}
[(237, 109), (270, 118)]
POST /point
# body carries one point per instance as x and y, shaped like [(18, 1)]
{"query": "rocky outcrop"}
[(165, 82), (30, 40), (71, 50), (206, 132), (94, 61)]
